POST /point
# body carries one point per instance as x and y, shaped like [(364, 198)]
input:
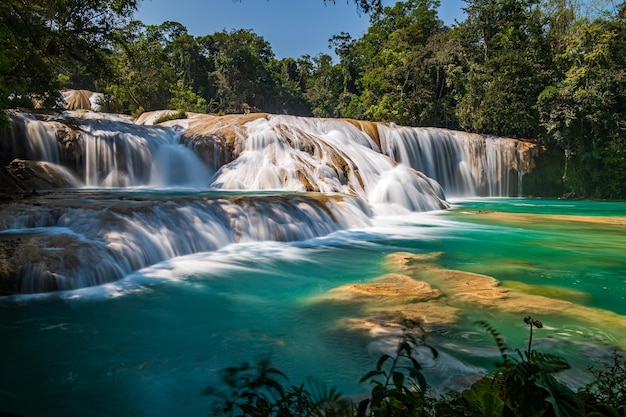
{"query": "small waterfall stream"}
[(464, 164)]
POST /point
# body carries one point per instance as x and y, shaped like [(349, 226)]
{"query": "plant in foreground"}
[(400, 388), (522, 385), (606, 395), (262, 391)]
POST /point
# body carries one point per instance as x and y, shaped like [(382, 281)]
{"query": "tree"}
[(324, 86), (289, 85), (43, 39), (584, 113), (510, 63), (142, 78), (241, 72), (189, 64), (391, 65)]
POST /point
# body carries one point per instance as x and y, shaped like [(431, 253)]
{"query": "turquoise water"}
[(588, 257), (149, 344)]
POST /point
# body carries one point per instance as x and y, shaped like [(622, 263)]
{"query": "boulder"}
[(38, 175), (11, 187)]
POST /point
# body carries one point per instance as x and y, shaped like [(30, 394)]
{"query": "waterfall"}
[(86, 240), (306, 154), (464, 164), (342, 156), (263, 152), (112, 151), (121, 154), (322, 155), (254, 177), (33, 139)]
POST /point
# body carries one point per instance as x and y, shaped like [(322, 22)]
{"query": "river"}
[(160, 287)]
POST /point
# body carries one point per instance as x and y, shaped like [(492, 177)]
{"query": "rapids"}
[(381, 169)]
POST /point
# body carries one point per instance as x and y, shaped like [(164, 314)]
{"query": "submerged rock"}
[(420, 290), (28, 262)]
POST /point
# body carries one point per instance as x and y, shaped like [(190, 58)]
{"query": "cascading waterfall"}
[(112, 152), (464, 164), (323, 155), (280, 153), (126, 155), (357, 170), (89, 239), (34, 139)]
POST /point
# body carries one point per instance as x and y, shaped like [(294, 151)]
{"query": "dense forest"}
[(551, 70)]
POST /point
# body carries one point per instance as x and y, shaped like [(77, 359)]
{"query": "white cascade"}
[(322, 155), (464, 164), (92, 240)]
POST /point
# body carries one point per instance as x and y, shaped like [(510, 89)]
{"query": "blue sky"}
[(292, 27)]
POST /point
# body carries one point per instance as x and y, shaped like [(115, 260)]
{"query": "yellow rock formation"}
[(419, 290)]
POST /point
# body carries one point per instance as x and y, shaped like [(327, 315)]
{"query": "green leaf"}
[(398, 379), (415, 363), (502, 347), (371, 374), (564, 401), (362, 408), (381, 361), (378, 395)]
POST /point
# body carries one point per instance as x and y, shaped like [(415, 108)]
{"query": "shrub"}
[(262, 391), (522, 385), (400, 388), (606, 395)]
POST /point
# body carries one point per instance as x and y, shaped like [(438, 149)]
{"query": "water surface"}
[(148, 344)]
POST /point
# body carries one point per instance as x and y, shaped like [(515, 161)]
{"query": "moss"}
[(180, 114)]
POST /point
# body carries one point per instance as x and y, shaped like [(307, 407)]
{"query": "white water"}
[(37, 140), (127, 155), (464, 164), (110, 237), (283, 153), (328, 156), (353, 177)]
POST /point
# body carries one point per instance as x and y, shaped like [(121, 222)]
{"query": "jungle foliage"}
[(553, 70), (523, 384)]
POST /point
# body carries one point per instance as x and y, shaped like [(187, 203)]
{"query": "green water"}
[(149, 344)]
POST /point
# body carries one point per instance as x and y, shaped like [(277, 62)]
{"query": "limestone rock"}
[(421, 291), (11, 187), (37, 175)]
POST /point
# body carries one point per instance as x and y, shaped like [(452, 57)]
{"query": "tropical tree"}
[(324, 85), (584, 113), (42, 40), (510, 63), (386, 74), (141, 77), (290, 84), (241, 72)]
